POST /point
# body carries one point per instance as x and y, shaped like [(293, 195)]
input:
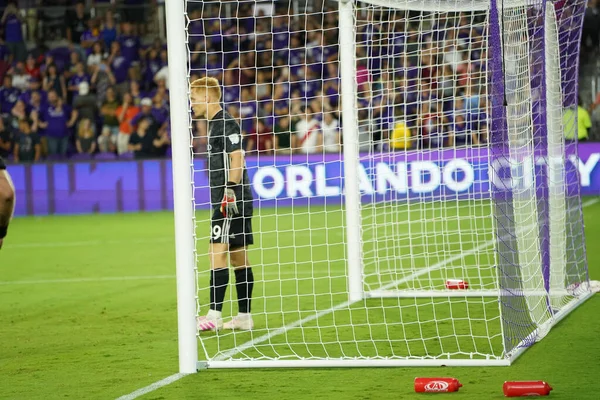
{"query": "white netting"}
[(430, 123)]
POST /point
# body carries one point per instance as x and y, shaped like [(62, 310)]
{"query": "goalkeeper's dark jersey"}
[(224, 137)]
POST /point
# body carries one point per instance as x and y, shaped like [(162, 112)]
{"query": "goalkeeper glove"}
[(229, 203)]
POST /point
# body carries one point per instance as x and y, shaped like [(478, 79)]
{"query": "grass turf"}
[(69, 330)]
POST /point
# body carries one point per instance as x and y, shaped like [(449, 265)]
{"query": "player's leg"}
[(244, 277), (244, 284), (7, 201), (219, 271)]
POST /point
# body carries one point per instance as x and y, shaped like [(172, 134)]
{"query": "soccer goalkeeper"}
[(7, 200), (231, 201)]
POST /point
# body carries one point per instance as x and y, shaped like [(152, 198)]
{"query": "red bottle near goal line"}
[(456, 284), (436, 385), (526, 388)]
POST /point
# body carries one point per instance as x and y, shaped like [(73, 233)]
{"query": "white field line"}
[(152, 387)]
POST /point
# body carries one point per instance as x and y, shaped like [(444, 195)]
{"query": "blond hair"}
[(208, 86)]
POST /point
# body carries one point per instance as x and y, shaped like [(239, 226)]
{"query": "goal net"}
[(416, 202)]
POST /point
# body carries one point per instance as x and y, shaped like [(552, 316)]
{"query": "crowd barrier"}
[(130, 186)]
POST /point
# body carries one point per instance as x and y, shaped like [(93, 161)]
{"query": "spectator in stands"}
[(308, 135), (577, 122), (27, 143), (20, 78), (19, 112), (86, 103), (284, 139), (8, 95), (32, 68), (35, 103), (85, 142), (34, 89), (96, 56), (107, 141), (152, 65), (56, 121), (136, 93), (108, 30), (90, 36), (260, 139), (125, 114), (159, 111), (147, 112), (143, 143), (71, 68), (461, 135), (130, 43), (102, 79), (54, 81), (400, 138), (6, 140), (77, 24), (13, 32), (248, 109), (79, 77), (330, 128), (120, 67), (135, 14)]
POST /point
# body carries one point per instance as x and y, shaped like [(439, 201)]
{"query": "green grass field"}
[(87, 311)]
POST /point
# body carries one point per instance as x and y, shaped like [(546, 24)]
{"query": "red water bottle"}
[(526, 388), (456, 284), (436, 385)]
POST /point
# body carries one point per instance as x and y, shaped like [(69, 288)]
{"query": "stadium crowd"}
[(105, 93)]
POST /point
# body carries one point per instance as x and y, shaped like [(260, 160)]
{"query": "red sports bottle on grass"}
[(526, 388), (456, 284), (436, 385)]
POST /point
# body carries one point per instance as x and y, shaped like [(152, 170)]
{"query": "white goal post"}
[(444, 224)]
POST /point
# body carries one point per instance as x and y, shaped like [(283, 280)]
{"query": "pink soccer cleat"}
[(208, 323), (240, 322)]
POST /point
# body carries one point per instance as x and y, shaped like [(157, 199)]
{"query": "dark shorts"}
[(2, 164), (237, 231)]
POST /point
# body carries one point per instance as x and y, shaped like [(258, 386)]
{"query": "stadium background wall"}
[(129, 186)]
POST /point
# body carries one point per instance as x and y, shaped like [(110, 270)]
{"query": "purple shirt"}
[(57, 120), (231, 94), (130, 47), (195, 31), (281, 38), (77, 79), (120, 68), (296, 60), (152, 67), (89, 35), (309, 89), (108, 35), (281, 106), (12, 29), (214, 68), (25, 97), (8, 98), (161, 115)]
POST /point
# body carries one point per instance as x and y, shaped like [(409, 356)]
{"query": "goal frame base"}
[(446, 293), (437, 362)]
